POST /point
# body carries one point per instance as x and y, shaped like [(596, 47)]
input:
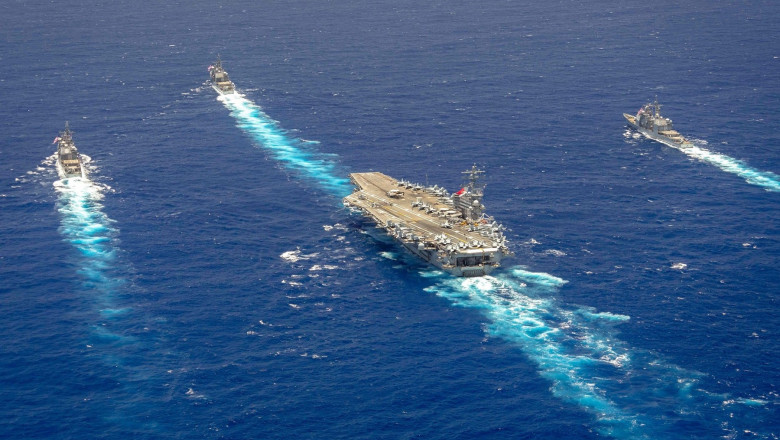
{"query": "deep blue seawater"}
[(207, 282)]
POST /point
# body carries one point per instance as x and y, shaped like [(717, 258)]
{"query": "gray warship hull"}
[(66, 172), (222, 91), (220, 81), (445, 263), (666, 140), (69, 162), (649, 122), (431, 224)]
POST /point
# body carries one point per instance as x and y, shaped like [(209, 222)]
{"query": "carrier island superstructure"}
[(450, 231), (650, 123)]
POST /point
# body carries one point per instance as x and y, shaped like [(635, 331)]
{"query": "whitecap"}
[(292, 283), (751, 402), (192, 394), (296, 255)]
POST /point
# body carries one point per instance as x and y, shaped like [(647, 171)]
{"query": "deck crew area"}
[(429, 216)]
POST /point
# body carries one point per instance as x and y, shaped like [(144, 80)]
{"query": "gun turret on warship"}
[(650, 123), (68, 157), (450, 231), (219, 78)]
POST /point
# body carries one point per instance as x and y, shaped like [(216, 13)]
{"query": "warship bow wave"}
[(650, 123), (219, 78), (68, 158), (449, 231)]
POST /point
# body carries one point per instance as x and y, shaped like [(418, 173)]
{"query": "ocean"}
[(207, 282)]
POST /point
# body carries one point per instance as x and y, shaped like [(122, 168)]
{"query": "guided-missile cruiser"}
[(219, 78), (68, 157), (450, 231), (650, 123)]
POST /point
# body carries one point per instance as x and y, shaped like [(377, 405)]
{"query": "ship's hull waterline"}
[(655, 136)]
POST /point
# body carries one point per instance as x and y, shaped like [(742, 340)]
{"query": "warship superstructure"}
[(650, 123), (68, 157), (219, 78), (450, 231)]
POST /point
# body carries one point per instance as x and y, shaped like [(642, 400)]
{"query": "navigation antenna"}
[(474, 175), (657, 107), (67, 133)]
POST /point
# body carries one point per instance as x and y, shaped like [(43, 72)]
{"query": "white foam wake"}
[(286, 149), (563, 343), (116, 338), (766, 179), (91, 232), (578, 350)]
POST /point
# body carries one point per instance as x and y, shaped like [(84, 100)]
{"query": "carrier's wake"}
[(632, 393)]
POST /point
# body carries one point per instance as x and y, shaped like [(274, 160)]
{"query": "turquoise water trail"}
[(93, 235), (766, 179), (292, 152), (697, 150), (117, 335), (578, 350)]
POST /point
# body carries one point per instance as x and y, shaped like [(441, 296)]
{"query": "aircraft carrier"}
[(650, 123), (450, 231), (68, 157), (219, 78)]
